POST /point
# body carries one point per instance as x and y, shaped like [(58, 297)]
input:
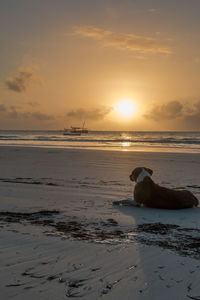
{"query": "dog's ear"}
[(149, 171), (134, 175)]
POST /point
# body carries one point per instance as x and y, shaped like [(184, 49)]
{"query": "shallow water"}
[(106, 140)]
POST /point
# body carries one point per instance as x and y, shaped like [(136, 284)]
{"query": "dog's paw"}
[(134, 203), (127, 202), (117, 203)]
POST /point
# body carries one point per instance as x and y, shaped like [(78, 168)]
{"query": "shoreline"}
[(109, 149)]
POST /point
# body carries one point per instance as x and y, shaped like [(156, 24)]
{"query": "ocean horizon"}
[(161, 141)]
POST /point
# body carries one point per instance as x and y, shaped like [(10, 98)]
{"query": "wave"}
[(104, 140), (187, 141), (8, 136)]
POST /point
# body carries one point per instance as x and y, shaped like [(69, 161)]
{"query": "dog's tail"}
[(189, 200), (196, 201)]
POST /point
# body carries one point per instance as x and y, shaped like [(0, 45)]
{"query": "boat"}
[(68, 131), (75, 130)]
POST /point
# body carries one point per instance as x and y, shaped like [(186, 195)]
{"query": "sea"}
[(105, 140)]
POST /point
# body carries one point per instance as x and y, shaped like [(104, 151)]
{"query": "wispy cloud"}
[(95, 114), (33, 103), (2, 108), (152, 10), (41, 116), (22, 80), (91, 31), (124, 41)]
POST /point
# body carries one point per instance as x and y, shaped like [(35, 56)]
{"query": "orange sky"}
[(63, 62)]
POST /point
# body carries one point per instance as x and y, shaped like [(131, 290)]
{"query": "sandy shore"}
[(61, 236)]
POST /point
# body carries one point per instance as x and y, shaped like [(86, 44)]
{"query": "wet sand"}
[(62, 237)]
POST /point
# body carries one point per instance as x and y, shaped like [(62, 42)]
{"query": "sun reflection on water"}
[(126, 144)]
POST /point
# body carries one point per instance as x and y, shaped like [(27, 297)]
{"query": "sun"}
[(125, 108)]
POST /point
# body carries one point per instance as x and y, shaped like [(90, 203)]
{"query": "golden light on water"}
[(125, 108), (126, 144)]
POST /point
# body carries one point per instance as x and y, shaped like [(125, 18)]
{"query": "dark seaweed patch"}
[(28, 180), (184, 241)]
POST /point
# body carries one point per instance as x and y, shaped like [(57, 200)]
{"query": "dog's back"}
[(155, 196)]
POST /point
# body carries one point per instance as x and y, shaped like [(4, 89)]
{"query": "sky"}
[(64, 62)]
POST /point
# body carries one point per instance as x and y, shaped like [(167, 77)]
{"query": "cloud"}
[(184, 116), (131, 42), (191, 118), (95, 114), (21, 81), (91, 31), (33, 103), (136, 43), (2, 108), (169, 111), (41, 116), (152, 10), (15, 112)]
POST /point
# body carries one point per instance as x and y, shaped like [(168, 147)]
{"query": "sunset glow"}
[(78, 60), (125, 108)]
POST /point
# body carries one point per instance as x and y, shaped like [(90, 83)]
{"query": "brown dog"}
[(149, 194)]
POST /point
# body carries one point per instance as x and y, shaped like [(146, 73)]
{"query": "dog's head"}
[(136, 172)]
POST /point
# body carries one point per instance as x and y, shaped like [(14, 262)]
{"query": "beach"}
[(62, 237)]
